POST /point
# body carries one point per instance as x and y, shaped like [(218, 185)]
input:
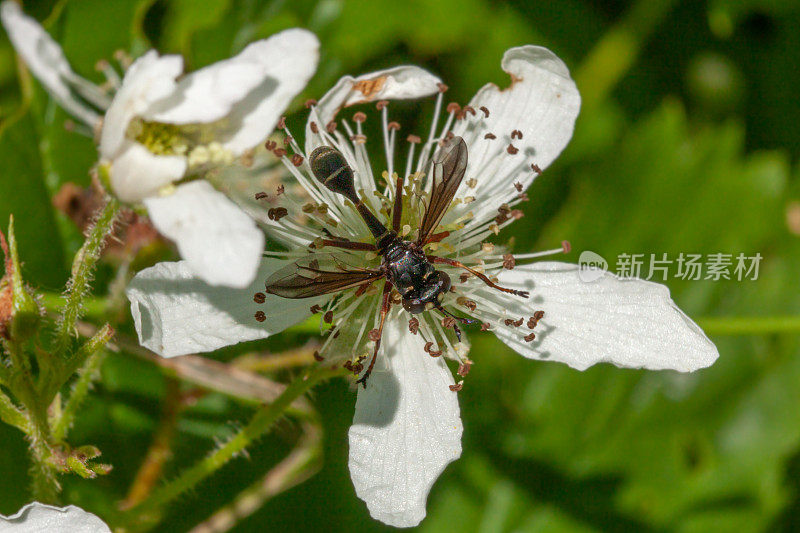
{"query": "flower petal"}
[(45, 59), (136, 173), (251, 89), (595, 317), (406, 429), (175, 313), (149, 79), (398, 83), (542, 103), (218, 240), (37, 517)]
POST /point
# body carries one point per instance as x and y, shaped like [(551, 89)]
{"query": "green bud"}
[(19, 312), (80, 467)]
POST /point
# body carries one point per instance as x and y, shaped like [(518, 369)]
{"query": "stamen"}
[(259, 297)]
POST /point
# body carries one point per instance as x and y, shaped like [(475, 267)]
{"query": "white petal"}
[(221, 244), (136, 173), (406, 429), (251, 89), (45, 59), (37, 518), (398, 83), (542, 103), (628, 322), (175, 313), (150, 78)]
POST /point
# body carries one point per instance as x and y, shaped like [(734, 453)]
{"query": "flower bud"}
[(19, 312)]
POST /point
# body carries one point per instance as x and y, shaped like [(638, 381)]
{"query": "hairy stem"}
[(257, 427), (82, 270)]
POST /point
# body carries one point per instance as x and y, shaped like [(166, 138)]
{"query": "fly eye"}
[(414, 307)]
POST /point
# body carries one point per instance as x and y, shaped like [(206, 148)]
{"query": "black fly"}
[(404, 264)]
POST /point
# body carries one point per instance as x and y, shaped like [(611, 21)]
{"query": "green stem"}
[(11, 415), (750, 325), (258, 426), (79, 391), (82, 269)]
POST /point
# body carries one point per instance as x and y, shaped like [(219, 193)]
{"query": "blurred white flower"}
[(40, 518), (157, 130), (407, 426)]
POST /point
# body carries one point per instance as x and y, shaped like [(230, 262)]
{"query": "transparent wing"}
[(447, 170), (308, 277)]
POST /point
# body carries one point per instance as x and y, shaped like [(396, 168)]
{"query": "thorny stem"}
[(750, 325), (82, 269), (258, 426), (11, 415), (92, 354), (302, 463)]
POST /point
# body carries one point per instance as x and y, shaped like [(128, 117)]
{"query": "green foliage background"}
[(688, 141)]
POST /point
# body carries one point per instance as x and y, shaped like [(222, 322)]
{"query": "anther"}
[(287, 140), (281, 123), (486, 326), (310, 102), (490, 136), (466, 302), (457, 387), (471, 110), (453, 107), (279, 152), (536, 168), (259, 297), (516, 134), (359, 117), (313, 126), (348, 365), (448, 322), (277, 213), (280, 190), (472, 183), (260, 316), (509, 262), (511, 322), (393, 126), (374, 335), (516, 214), (566, 246), (316, 308), (270, 145), (485, 111), (463, 368), (331, 126), (511, 149), (297, 160), (413, 325), (359, 138), (317, 356), (261, 196), (518, 186), (380, 104), (442, 87), (529, 337), (413, 139), (328, 317), (429, 349), (464, 277)]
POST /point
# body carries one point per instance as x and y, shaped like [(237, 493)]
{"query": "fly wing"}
[(306, 278), (447, 171)]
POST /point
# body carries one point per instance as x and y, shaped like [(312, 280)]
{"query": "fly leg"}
[(397, 210), (385, 306), (350, 245), (480, 276)]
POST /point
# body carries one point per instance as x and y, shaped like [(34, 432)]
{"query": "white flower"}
[(159, 129), (407, 426), (39, 518)]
